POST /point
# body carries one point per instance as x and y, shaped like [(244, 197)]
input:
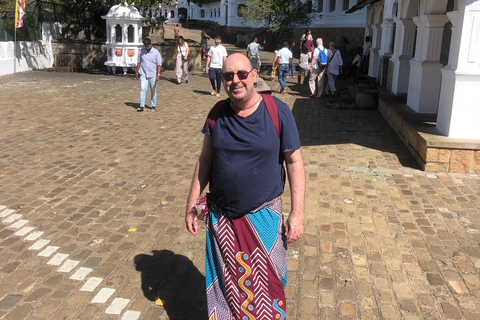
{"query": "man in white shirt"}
[(216, 56), (253, 53), (366, 54), (284, 60), (317, 69)]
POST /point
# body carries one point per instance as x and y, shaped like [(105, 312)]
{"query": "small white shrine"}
[(124, 37)]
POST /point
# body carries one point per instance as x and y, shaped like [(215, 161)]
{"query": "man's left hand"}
[(294, 227), (158, 77)]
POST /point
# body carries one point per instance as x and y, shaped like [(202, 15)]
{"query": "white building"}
[(329, 13), (432, 50)]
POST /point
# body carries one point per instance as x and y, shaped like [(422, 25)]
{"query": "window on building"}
[(240, 8), (172, 13), (218, 12), (346, 3), (131, 34), (166, 13), (332, 5), (202, 13), (118, 34), (320, 6)]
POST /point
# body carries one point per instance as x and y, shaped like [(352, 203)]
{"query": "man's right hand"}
[(206, 69), (136, 76), (191, 219)]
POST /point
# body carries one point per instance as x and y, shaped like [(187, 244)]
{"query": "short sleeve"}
[(206, 128)]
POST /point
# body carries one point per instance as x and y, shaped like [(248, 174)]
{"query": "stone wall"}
[(432, 151), (93, 56), (28, 55)]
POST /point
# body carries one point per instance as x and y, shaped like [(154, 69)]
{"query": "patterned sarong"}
[(246, 264)]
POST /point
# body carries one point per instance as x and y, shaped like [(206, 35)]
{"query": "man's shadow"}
[(176, 281)]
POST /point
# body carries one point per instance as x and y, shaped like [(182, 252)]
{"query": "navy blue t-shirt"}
[(248, 157)]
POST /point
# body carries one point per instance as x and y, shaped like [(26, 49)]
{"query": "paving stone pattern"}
[(79, 168)]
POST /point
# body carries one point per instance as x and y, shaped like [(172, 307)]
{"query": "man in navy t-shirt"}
[(242, 161)]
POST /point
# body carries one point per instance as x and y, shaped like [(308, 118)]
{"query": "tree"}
[(277, 16)]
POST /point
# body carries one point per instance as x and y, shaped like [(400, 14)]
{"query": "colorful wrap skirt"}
[(246, 263)]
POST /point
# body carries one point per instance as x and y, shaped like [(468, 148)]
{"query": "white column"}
[(140, 32), (113, 35), (388, 34), (338, 5), (425, 76), (326, 6), (374, 50), (458, 110), (386, 50), (403, 52)]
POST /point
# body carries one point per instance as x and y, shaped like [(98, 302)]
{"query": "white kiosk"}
[(124, 37)]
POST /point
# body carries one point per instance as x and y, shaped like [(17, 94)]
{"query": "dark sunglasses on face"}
[(242, 75)]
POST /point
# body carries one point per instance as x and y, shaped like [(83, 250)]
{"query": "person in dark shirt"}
[(242, 161)]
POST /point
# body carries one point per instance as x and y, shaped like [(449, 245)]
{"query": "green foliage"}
[(275, 15)]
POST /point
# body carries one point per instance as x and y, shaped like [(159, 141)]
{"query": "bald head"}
[(237, 58)]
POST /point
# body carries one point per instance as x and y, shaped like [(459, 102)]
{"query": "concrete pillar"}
[(458, 111), (140, 32), (403, 52), (339, 5), (326, 6), (374, 50), (112, 33), (425, 76), (386, 50)]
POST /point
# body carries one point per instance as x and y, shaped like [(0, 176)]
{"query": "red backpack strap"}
[(272, 111), (213, 114)]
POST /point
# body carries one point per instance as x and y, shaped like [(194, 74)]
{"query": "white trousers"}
[(181, 68)]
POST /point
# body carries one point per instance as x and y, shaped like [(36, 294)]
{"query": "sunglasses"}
[(242, 75)]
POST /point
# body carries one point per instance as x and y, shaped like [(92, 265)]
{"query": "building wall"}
[(29, 55), (226, 14)]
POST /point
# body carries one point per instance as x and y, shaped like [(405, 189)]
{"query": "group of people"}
[(316, 62)]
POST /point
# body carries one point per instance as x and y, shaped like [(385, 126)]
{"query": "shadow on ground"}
[(318, 124), (176, 281)]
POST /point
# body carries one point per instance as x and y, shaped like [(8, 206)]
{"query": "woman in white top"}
[(181, 67), (334, 68)]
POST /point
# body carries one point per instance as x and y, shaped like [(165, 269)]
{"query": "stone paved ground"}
[(80, 170)]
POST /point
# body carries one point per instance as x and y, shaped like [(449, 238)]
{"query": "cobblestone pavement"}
[(92, 198)]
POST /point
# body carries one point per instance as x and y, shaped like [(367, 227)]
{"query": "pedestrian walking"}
[(176, 32), (203, 41), (303, 65), (216, 56), (366, 54), (317, 70), (253, 49), (284, 60), (149, 66), (246, 241), (307, 42), (181, 66), (334, 68)]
